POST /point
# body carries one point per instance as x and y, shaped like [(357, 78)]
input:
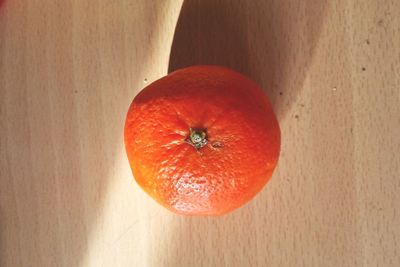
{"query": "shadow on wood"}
[(257, 38)]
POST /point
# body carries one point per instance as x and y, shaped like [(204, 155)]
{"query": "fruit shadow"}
[(273, 43), (67, 89)]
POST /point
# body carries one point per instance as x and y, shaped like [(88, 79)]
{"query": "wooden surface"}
[(69, 69)]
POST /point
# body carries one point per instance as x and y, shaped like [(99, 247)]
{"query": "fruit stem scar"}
[(197, 138)]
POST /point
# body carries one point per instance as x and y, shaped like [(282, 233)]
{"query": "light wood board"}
[(69, 69)]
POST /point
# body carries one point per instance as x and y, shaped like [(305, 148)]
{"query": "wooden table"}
[(69, 69)]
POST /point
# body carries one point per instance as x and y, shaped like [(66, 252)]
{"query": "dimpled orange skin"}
[(242, 133)]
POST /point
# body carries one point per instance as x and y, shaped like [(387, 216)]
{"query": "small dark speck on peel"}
[(217, 145), (363, 68), (296, 116)]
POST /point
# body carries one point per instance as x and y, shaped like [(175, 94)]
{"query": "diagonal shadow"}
[(273, 43)]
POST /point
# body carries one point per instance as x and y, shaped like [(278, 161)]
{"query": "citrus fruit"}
[(202, 140)]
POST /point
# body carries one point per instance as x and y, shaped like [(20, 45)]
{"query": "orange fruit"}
[(202, 140)]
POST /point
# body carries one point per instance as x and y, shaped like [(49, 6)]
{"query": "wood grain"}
[(69, 69)]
